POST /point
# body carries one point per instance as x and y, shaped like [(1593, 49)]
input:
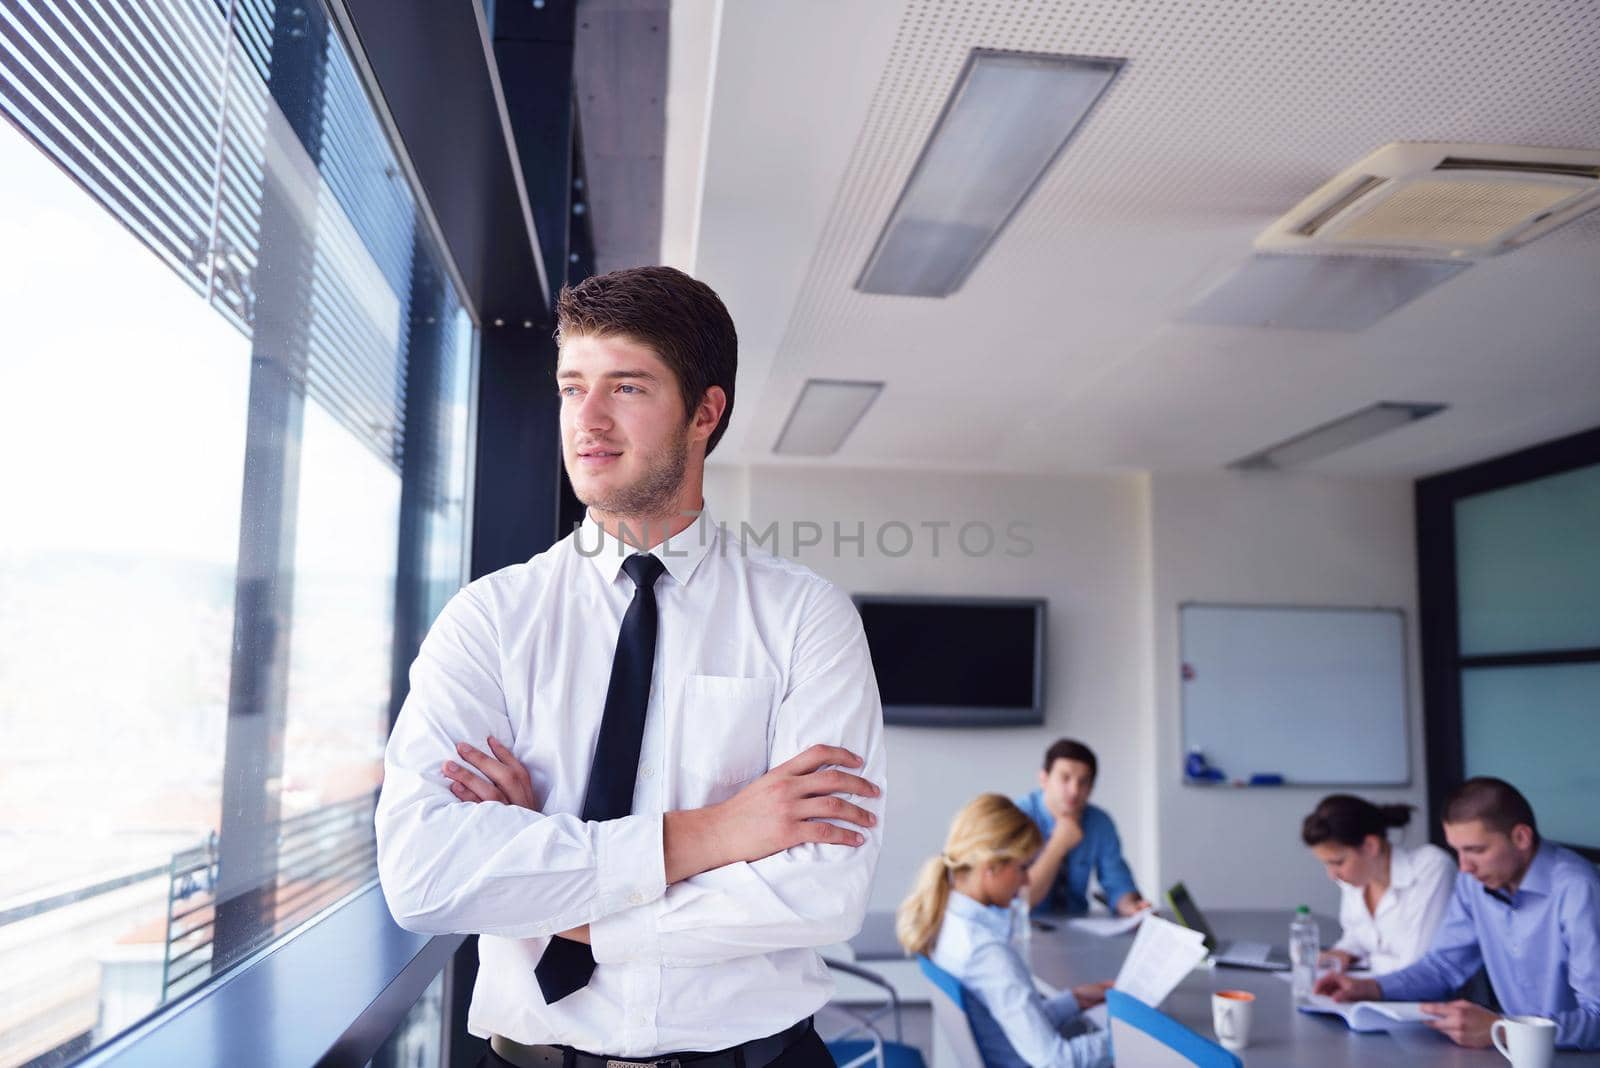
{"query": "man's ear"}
[(1522, 837), (1044, 779), (708, 413)]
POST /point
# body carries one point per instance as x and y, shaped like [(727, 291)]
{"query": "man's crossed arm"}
[(788, 806)]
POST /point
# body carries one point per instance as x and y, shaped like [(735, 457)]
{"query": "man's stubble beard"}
[(654, 493)]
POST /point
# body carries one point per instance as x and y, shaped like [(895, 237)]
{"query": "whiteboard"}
[(1316, 695)]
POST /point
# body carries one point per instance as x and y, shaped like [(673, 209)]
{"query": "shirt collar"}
[(1402, 869), (680, 554), (1536, 880), (991, 918)]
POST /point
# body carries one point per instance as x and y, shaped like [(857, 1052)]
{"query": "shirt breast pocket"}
[(722, 734)]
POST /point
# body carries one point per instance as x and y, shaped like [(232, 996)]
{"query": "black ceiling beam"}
[(533, 45), (430, 64)]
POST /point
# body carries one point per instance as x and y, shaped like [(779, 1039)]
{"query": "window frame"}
[(1439, 607)]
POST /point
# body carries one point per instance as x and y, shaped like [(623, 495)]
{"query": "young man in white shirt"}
[(662, 718)]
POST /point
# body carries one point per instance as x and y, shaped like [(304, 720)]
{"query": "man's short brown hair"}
[(1067, 749), (1496, 802), (680, 318)]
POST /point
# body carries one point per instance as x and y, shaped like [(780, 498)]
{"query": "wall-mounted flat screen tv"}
[(957, 661)]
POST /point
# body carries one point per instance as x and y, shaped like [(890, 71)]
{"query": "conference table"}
[(1280, 1035)]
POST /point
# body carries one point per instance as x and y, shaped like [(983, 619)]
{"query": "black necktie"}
[(566, 966)]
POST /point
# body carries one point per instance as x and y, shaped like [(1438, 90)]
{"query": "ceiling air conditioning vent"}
[(1434, 200), (1364, 185), (1519, 166)]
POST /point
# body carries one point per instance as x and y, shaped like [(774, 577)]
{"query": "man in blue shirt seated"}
[(1079, 839), (1526, 910)]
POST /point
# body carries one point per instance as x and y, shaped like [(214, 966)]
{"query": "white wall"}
[(1089, 561), (1115, 555), (1268, 539)]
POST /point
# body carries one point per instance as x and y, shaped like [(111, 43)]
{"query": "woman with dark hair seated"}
[(1391, 898)]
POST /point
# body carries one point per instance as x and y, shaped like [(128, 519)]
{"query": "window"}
[(1510, 584), (234, 414), (1528, 578)]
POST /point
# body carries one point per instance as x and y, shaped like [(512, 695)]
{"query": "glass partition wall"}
[(1510, 584), (235, 395), (1528, 583)]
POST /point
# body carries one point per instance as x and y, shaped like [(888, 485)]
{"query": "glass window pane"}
[(236, 479), (1539, 729), (1527, 569), (121, 445)]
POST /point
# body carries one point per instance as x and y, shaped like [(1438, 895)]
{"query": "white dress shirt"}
[(1400, 931), (1014, 1025), (757, 658)]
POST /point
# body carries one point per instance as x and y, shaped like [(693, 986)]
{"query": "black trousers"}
[(809, 1052)]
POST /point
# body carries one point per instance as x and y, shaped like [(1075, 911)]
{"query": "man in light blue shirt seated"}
[(1528, 911), (1079, 839)]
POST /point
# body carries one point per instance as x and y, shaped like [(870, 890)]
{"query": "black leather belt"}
[(756, 1053)]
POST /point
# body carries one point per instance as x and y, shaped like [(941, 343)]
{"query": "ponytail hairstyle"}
[(987, 830), (1347, 820)]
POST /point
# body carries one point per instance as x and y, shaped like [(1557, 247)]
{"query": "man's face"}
[(1066, 787), (625, 435), (1496, 859)]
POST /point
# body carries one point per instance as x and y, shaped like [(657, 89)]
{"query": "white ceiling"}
[(1064, 350)]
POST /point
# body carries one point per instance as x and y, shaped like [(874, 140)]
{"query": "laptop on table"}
[(1259, 955)]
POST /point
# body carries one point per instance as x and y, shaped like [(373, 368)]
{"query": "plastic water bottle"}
[(1305, 944), (1021, 928)]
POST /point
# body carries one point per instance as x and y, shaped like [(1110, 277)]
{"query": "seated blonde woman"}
[(958, 915)]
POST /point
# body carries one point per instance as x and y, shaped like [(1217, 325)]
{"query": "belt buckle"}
[(668, 1062)]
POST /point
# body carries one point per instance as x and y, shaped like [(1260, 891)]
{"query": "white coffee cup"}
[(1230, 1017), (1525, 1041)]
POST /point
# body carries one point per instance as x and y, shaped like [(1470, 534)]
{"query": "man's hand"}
[(1091, 994), (1067, 833), (1463, 1022), (1341, 987), (508, 783), (1337, 959), (1130, 903), (1064, 836), (507, 780), (788, 806)]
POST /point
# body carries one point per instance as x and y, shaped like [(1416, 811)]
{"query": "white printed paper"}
[(1162, 954)]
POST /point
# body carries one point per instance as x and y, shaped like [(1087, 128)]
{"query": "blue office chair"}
[(862, 1044), (950, 1014), (1142, 1037)]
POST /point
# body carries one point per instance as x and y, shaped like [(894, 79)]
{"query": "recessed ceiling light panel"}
[(824, 415), (1009, 116), (1347, 293), (1341, 433)]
